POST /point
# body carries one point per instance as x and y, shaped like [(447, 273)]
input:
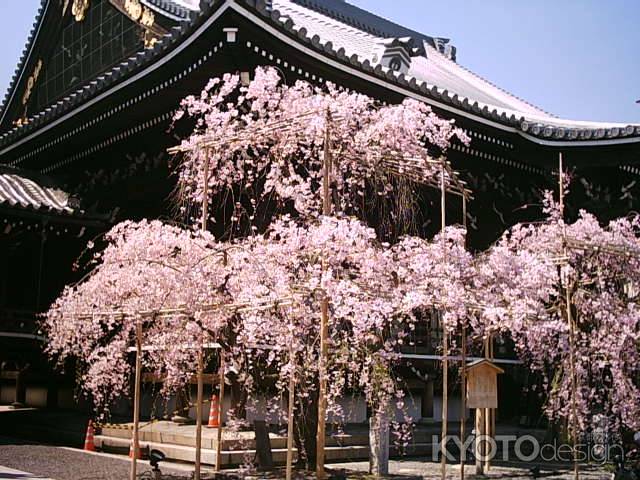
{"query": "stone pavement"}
[(429, 470)]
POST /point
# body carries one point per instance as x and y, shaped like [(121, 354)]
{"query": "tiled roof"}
[(361, 19), (24, 56), (171, 8), (112, 76), (25, 193), (431, 75)]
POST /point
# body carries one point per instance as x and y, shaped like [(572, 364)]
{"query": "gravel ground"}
[(61, 463)]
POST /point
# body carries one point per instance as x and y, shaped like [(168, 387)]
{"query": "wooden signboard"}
[(482, 384)]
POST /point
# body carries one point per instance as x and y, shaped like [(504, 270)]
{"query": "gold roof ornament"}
[(79, 9), (148, 18), (64, 7), (31, 81), (134, 9)]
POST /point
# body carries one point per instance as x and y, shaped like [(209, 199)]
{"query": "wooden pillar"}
[(426, 404)]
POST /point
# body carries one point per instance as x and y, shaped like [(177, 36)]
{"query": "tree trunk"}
[(306, 427)]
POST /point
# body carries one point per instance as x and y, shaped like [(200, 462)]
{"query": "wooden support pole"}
[(324, 319), (200, 372), (291, 406), (479, 441), (572, 361), (221, 414), (196, 473), (463, 398), (136, 401), (463, 367), (488, 413), (445, 336)]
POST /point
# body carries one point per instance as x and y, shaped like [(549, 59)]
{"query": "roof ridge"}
[(321, 7), (170, 7), (489, 82)]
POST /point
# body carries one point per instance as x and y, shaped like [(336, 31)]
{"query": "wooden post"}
[(136, 400), (488, 412), (463, 398), (292, 386), (463, 366), (200, 372), (221, 410), (479, 447), (324, 320), (445, 336), (572, 360), (196, 473)]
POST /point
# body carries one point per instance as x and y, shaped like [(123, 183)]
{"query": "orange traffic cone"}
[(131, 451), (89, 445), (214, 413)]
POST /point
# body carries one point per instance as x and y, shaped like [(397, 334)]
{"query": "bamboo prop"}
[(463, 366), (445, 336), (601, 247), (221, 373), (289, 124), (199, 395), (136, 402), (184, 312), (324, 320), (196, 473), (409, 167), (572, 370), (463, 398), (488, 414), (292, 386)]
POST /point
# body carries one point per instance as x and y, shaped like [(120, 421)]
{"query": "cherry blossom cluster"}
[(259, 295), (266, 141), (530, 277)]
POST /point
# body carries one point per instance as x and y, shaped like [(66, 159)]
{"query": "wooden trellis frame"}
[(411, 168), (139, 348)]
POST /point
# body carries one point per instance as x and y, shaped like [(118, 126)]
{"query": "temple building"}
[(92, 101)]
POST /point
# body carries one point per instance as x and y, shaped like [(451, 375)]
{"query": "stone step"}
[(185, 453), (166, 432)]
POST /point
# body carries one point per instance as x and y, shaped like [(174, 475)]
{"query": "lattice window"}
[(87, 48)]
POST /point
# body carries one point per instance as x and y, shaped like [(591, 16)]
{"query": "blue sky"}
[(575, 58)]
